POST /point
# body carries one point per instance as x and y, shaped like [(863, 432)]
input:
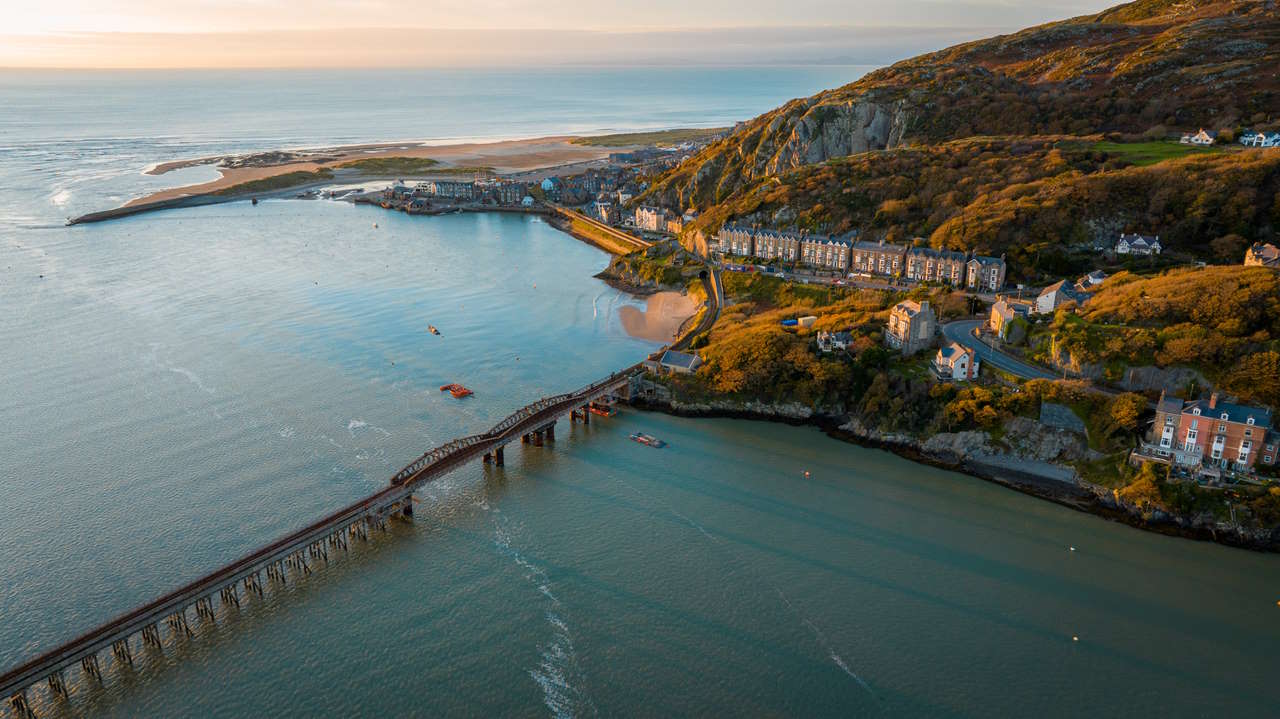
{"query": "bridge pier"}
[(151, 636), (551, 432), (22, 710), (90, 666), (586, 413), (120, 648), (57, 687), (497, 457)]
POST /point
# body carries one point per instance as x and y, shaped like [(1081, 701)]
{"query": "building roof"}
[(910, 307), (679, 359), (942, 254), (952, 351), (1169, 405), (1067, 290), (881, 245), (1234, 412), (1061, 416)]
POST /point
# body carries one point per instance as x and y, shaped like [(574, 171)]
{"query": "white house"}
[(1204, 137), (1138, 245), (1058, 294), (832, 341), (1260, 139), (957, 363), (1091, 280)]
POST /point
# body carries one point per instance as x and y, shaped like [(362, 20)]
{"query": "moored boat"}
[(602, 410), (456, 390), (433, 329), (648, 440)]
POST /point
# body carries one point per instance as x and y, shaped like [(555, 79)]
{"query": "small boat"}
[(648, 439), (433, 329), (254, 200), (456, 390), (602, 410)]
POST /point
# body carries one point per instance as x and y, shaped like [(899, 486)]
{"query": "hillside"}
[(1043, 201), (1222, 321), (1145, 68)]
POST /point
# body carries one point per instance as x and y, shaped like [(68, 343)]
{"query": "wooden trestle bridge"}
[(293, 555)]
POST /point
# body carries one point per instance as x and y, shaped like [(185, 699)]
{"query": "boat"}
[(456, 390), (648, 439), (602, 410), (433, 329), (255, 200)]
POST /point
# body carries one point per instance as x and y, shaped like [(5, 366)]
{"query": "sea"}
[(178, 388)]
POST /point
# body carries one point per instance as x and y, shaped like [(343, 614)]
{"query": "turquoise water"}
[(179, 387)]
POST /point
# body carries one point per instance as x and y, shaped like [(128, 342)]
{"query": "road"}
[(962, 332)]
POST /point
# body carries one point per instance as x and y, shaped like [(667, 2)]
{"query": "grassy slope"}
[(659, 138)]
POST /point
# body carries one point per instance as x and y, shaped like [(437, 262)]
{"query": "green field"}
[(277, 182), (1146, 153), (658, 137), (391, 165)]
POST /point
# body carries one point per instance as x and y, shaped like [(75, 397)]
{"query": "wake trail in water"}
[(559, 664), (741, 561)]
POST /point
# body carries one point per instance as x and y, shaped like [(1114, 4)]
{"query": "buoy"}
[(806, 474), (1074, 638), (375, 225), (1073, 549)]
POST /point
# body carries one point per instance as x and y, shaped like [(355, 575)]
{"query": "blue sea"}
[(177, 388)]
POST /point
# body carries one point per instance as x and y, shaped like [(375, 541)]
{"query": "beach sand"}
[(661, 318), (505, 157)]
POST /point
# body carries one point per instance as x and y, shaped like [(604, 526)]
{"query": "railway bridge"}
[(292, 556)]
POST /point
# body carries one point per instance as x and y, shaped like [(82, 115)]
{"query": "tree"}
[(1126, 411), (1229, 248)]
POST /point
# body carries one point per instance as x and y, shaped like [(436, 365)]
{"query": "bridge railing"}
[(512, 420)]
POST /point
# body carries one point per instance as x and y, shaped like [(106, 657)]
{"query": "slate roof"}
[(679, 359), (1235, 412)]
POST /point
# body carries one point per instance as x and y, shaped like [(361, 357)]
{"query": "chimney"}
[(1213, 400)]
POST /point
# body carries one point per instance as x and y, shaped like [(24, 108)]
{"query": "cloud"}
[(401, 47)]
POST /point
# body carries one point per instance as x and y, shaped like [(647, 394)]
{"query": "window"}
[(1224, 415), (1267, 459), (1248, 433), (1249, 421), (1196, 411), (1222, 427)]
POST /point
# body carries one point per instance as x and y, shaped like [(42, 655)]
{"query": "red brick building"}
[(1213, 433)]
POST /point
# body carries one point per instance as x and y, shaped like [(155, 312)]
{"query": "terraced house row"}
[(872, 259)]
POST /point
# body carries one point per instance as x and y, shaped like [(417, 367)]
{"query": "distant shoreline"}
[(526, 158)]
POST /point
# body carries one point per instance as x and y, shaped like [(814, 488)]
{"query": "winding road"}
[(963, 333)]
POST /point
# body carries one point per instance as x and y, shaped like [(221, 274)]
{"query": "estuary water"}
[(180, 387)]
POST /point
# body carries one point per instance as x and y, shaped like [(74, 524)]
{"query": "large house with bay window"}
[(1213, 433)]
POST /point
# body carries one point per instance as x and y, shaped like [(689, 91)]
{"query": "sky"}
[(370, 33)]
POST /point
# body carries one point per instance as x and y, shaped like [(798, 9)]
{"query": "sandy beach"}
[(661, 318), (504, 157)]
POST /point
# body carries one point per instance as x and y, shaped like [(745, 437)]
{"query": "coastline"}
[(500, 156), (1090, 500)]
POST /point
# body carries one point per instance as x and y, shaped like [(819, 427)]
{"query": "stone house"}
[(912, 326), (1004, 312), (737, 240), (878, 259), (825, 251), (925, 264), (773, 245), (984, 274)]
